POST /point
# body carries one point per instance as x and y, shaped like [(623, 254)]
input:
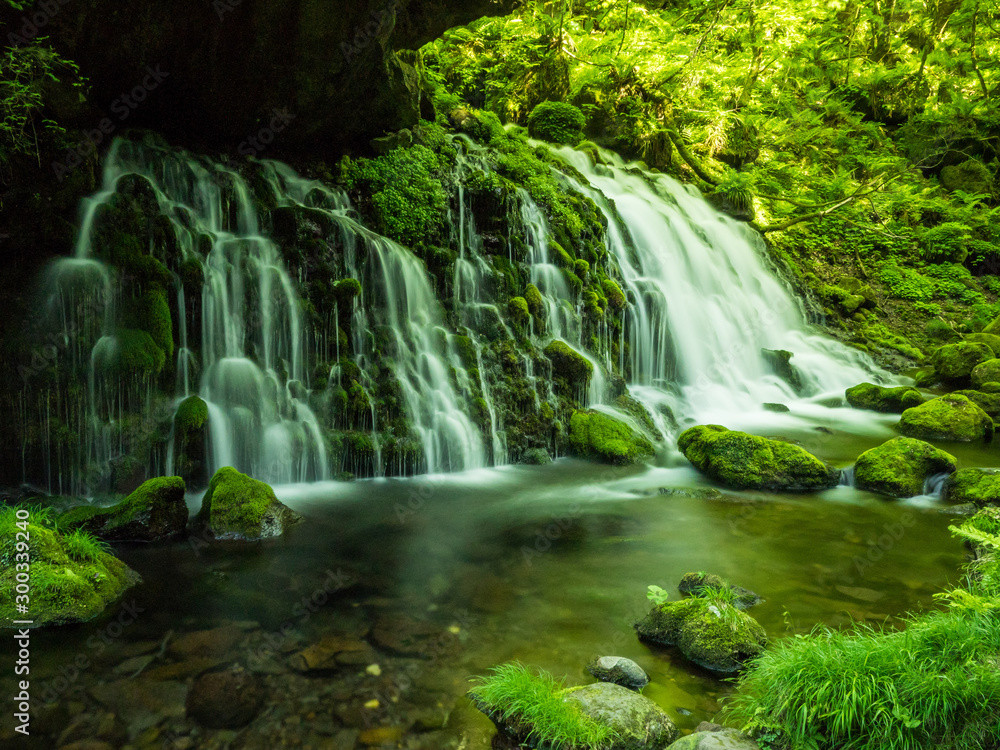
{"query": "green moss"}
[(596, 435), (536, 305), (955, 362), (978, 486), (155, 510), (988, 402), (950, 417), (711, 632), (900, 467), (880, 398), (709, 585), (466, 351), (557, 122), (239, 507), (345, 290), (73, 577), (191, 415), (129, 353), (151, 313), (986, 372), (744, 461), (517, 310), (560, 257), (574, 369), (582, 269), (614, 294)]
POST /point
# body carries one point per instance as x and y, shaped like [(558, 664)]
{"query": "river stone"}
[(239, 507), (879, 398), (955, 362), (712, 634), (950, 417), (900, 467), (156, 510), (225, 700), (723, 739), (640, 723), (620, 671), (744, 462), (988, 402), (980, 487)]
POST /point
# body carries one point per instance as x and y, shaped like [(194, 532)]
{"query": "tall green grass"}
[(533, 705)]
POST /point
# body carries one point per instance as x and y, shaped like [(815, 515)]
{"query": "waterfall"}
[(322, 348)]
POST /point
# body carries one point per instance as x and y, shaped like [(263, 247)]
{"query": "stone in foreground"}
[(620, 671), (900, 467), (639, 723), (950, 417), (711, 633), (882, 399), (749, 462), (156, 510), (239, 507), (719, 739), (73, 578)]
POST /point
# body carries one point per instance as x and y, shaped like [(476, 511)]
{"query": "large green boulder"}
[(593, 434), (955, 362), (570, 367), (638, 723), (991, 340), (989, 402), (978, 486), (900, 467), (749, 462), (156, 510), (879, 398), (950, 417), (239, 507), (986, 372), (73, 576), (712, 633)]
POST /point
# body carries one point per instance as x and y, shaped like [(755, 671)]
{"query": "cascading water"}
[(409, 372), (705, 306)]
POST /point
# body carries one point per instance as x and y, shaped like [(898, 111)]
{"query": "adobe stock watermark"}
[(258, 143), (893, 533), (123, 107), (224, 7), (33, 23)]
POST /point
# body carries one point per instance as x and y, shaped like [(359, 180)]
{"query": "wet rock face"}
[(224, 72)]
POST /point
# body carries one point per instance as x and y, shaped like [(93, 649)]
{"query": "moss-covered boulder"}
[(749, 462), (971, 176), (710, 632), (572, 368), (991, 340), (191, 440), (989, 402), (239, 507), (517, 311), (155, 511), (593, 434), (980, 487), (879, 398), (950, 417), (557, 122), (73, 576), (986, 372), (637, 722), (129, 353), (701, 584), (900, 467), (954, 363)]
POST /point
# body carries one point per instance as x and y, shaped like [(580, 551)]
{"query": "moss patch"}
[(880, 398), (899, 467), (593, 434), (239, 507), (950, 417), (557, 122), (572, 368), (955, 362), (156, 510), (978, 486), (986, 372), (743, 461)]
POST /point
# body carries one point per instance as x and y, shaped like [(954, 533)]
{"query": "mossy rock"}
[(638, 723), (991, 340), (879, 398), (950, 417), (780, 363), (971, 176), (574, 369), (614, 294), (981, 487), (130, 352), (190, 440), (239, 507), (557, 122), (536, 305), (698, 584), (986, 372), (988, 402), (155, 511), (593, 434), (955, 362), (900, 467), (517, 310), (72, 578), (151, 313), (713, 634), (750, 462)]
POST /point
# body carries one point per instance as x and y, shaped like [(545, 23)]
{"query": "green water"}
[(548, 565)]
